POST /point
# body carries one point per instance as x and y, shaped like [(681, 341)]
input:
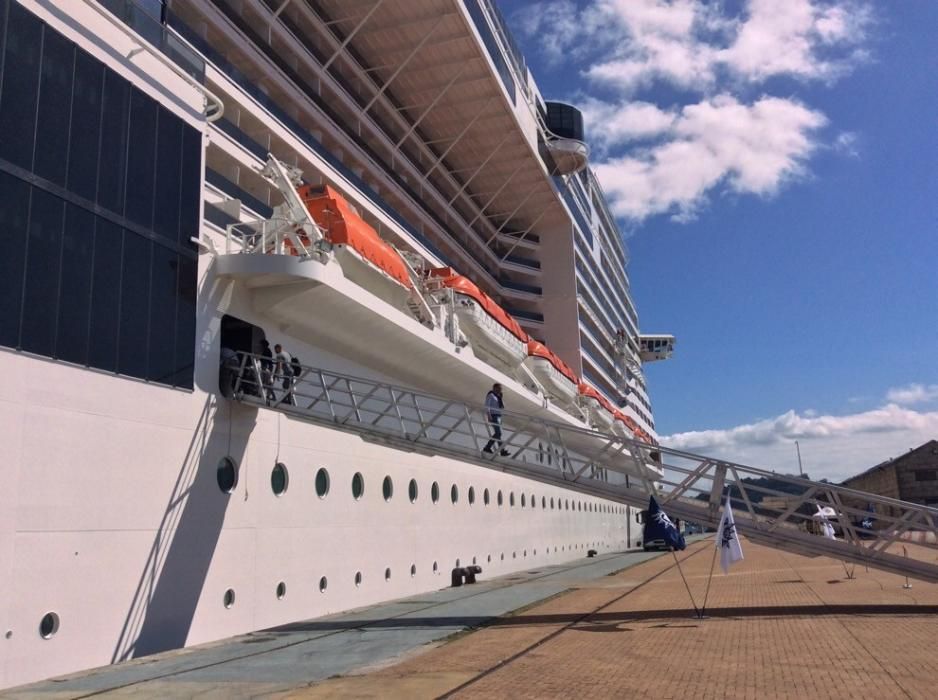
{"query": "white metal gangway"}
[(771, 509)]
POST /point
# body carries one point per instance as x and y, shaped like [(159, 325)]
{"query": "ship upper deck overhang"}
[(432, 72)]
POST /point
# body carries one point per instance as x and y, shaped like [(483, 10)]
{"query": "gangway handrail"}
[(690, 486)]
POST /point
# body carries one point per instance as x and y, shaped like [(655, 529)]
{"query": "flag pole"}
[(681, 571), (713, 560)]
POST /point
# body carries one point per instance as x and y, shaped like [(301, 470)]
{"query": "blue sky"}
[(774, 165)]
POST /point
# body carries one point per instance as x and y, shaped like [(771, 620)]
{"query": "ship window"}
[(502, 558), (485, 496), (457, 562), (358, 579), (358, 486), (533, 501), (229, 598), (227, 475), (279, 479), (387, 488), (454, 493), (472, 495), (323, 584), (511, 499), (412, 490), (500, 497), (117, 293), (523, 500), (436, 567), (387, 574), (49, 625), (551, 502), (413, 570), (281, 590), (543, 502), (435, 492), (322, 483)]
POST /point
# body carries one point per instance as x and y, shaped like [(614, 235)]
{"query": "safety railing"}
[(778, 510)]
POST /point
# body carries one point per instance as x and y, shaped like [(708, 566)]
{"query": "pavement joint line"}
[(365, 625), (839, 620), (531, 647)]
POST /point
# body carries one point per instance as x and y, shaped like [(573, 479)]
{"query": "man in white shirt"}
[(494, 405), (284, 371)]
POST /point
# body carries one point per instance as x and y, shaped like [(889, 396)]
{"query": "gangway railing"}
[(777, 510)]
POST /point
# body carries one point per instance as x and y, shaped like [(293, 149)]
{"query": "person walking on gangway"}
[(494, 405)]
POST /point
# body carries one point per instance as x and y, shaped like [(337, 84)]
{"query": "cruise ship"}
[(262, 262)]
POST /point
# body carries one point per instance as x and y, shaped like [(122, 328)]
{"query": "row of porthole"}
[(228, 599), (279, 481), (49, 624)]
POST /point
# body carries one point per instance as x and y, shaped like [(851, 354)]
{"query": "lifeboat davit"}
[(491, 331), (364, 256), (559, 381), (601, 411)]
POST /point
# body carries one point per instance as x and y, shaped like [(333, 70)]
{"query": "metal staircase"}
[(769, 508)]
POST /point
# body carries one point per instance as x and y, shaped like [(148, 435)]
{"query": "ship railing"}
[(275, 236), (779, 510)]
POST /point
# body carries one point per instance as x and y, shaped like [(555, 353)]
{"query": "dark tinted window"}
[(163, 281), (14, 209), (185, 321), (113, 160), (135, 310), (41, 291), (55, 98), (20, 86), (141, 147), (169, 148), (105, 299), (75, 298), (191, 181), (86, 126)]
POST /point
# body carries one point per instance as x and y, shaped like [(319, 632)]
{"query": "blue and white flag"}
[(727, 538), (658, 526), (870, 519)]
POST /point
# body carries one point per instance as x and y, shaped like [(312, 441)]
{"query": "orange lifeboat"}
[(601, 411), (491, 331), (559, 381), (347, 231)]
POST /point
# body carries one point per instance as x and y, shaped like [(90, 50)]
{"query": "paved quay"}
[(778, 626)]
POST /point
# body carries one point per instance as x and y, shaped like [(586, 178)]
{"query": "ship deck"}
[(779, 625)]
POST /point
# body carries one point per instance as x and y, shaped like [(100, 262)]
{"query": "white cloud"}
[(749, 148), (833, 447), (913, 393), (714, 137)]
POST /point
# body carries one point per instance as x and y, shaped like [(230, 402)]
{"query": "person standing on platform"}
[(494, 405)]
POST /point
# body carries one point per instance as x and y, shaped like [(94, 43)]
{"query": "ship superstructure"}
[(380, 188)]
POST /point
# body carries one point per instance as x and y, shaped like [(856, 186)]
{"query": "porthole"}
[(471, 495), (514, 555), (387, 574), (413, 570), (436, 568), (358, 486), (229, 598), (567, 504), (358, 579), (525, 553), (454, 493), (535, 552), (488, 559), (457, 563), (279, 479), (281, 590), (485, 496), (511, 499), (49, 625), (387, 488), (499, 498), (551, 502), (412, 490), (503, 556), (473, 561), (227, 475), (533, 501), (435, 492), (323, 584), (322, 483), (523, 500), (543, 502)]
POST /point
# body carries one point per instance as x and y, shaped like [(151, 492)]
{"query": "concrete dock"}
[(778, 625)]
